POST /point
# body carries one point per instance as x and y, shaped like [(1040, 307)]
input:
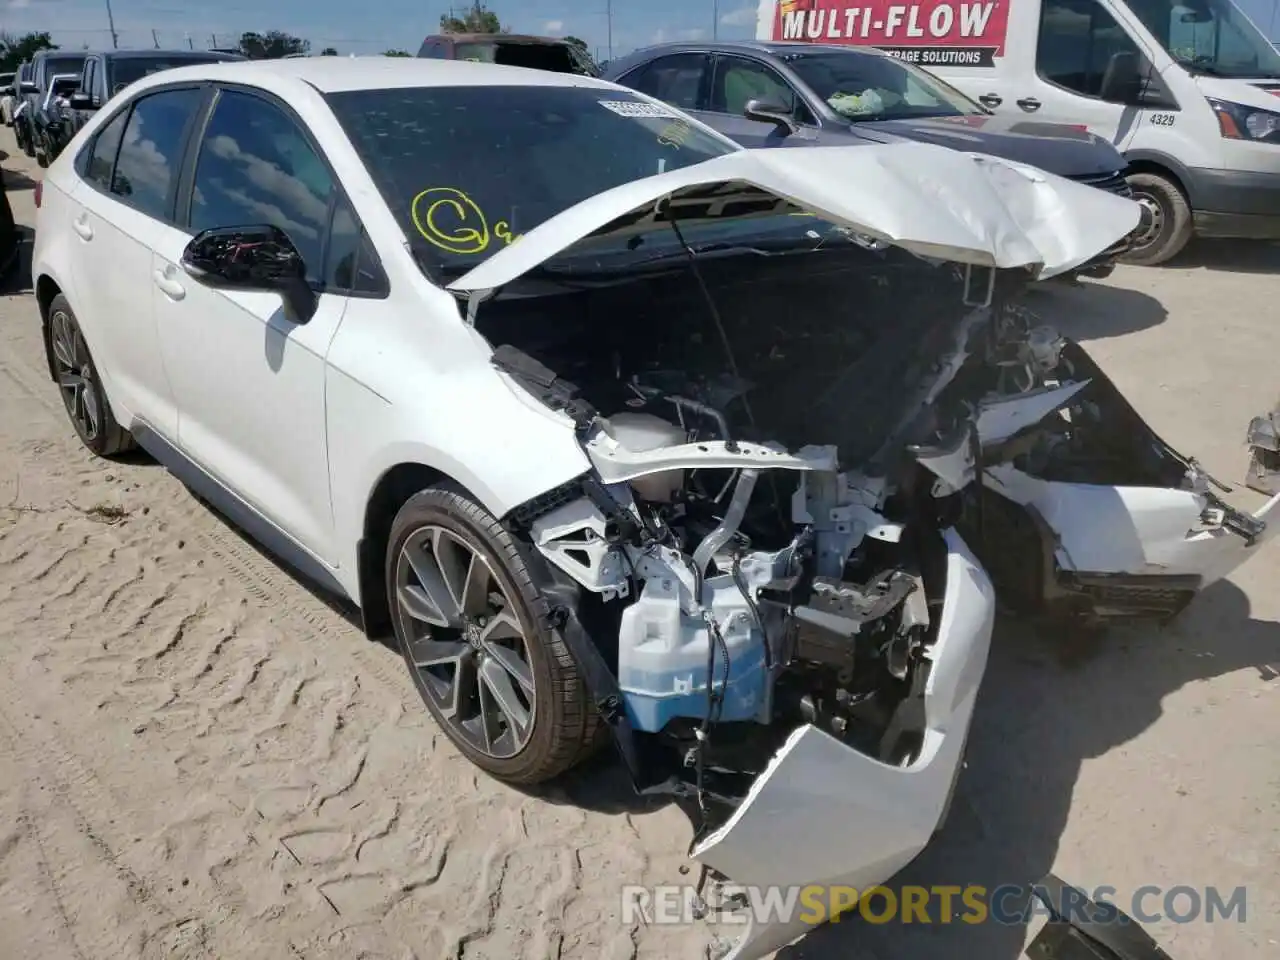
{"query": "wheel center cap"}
[(472, 632)]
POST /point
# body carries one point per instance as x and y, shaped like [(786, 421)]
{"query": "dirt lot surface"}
[(199, 757)]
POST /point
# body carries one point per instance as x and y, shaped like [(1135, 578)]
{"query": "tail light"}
[(39, 193)]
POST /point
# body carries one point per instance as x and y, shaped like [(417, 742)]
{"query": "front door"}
[(738, 80), (1077, 41), (249, 380)]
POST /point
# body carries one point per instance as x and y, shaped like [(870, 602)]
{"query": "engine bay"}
[(792, 436)]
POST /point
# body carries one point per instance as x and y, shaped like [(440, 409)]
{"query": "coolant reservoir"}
[(643, 432)]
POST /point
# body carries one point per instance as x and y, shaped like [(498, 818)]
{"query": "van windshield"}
[(1213, 37)]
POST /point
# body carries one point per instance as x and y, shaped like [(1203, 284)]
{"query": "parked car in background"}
[(623, 430), (8, 96), (45, 65), (52, 122), (767, 94), (107, 73), (1185, 89), (511, 50)]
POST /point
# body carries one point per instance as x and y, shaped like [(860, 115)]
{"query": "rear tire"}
[(472, 628), (1166, 220), (83, 394)]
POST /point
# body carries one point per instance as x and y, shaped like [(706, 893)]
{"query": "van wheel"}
[(474, 633), (1166, 220)]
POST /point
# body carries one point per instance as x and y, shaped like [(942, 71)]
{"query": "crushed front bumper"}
[(824, 814)]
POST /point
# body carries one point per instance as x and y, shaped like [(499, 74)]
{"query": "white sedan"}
[(621, 430)]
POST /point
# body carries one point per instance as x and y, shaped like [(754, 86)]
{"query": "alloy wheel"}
[(75, 375), (464, 641)]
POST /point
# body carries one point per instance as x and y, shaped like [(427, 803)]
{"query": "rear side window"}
[(151, 149), (676, 79), (105, 147), (257, 167)]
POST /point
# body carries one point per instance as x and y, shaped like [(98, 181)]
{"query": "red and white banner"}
[(932, 33)]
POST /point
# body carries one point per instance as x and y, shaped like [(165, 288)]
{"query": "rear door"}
[(124, 205), (680, 79)]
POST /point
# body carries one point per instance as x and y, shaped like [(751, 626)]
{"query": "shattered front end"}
[(809, 448)]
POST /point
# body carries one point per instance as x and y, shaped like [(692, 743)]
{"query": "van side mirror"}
[(81, 101), (1122, 80), (27, 86), (766, 112)]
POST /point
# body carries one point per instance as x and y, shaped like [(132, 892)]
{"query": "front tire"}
[(83, 395), (472, 628), (1166, 220)]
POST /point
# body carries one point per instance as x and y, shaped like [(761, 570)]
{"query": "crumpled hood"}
[(927, 199)]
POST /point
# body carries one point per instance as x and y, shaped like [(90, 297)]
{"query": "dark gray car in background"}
[(107, 73), (777, 94)]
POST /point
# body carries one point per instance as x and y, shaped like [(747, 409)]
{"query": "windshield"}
[(56, 65), (467, 170), (1209, 36), (861, 86), (122, 71)]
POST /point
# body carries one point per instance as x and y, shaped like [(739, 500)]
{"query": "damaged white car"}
[(626, 432)]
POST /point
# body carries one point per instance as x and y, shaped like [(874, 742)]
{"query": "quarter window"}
[(105, 147), (675, 80), (151, 150), (257, 167), (353, 265), (1078, 39)]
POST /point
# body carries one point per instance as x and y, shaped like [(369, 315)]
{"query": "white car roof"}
[(336, 74)]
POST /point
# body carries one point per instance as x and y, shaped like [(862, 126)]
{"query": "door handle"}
[(1029, 103), (169, 287), (990, 100), (82, 227)]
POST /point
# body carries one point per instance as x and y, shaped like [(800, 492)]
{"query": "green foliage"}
[(271, 45), (475, 19), (15, 48)]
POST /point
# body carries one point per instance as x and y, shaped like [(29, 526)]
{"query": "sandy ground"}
[(199, 757)]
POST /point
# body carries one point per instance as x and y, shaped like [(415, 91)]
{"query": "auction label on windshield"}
[(932, 33), (638, 108)]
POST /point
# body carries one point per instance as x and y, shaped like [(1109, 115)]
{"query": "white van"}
[(1188, 90)]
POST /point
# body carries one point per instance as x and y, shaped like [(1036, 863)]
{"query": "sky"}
[(390, 24), (381, 24)]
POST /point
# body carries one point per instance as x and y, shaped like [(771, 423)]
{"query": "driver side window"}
[(1078, 39), (738, 81), (255, 167)]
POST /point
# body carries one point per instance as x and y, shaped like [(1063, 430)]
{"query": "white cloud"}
[(553, 28), (742, 17), (19, 4)]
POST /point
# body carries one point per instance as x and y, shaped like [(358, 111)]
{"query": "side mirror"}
[(81, 101), (258, 257), (773, 113), (1122, 80), (27, 86)]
